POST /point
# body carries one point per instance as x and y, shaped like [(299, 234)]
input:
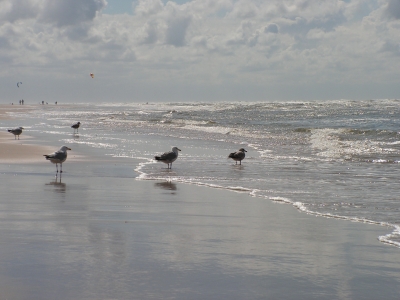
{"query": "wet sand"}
[(99, 233), (18, 151)]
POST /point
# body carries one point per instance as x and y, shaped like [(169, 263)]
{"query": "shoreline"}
[(24, 149), (99, 232), (21, 151), (17, 150)]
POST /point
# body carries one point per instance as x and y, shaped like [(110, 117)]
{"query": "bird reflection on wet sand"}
[(60, 187), (166, 185)]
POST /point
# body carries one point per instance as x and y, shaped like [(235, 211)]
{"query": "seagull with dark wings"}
[(238, 156), (168, 157)]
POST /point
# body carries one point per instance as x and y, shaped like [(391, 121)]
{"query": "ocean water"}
[(337, 159)]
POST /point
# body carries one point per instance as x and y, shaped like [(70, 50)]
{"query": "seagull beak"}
[(179, 149), (69, 148)]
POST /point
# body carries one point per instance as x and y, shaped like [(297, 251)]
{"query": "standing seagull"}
[(238, 155), (76, 126), (16, 131), (58, 157), (168, 157)]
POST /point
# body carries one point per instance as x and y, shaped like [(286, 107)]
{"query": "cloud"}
[(244, 10), (273, 28), (391, 47), (393, 9), (57, 12), (149, 34), (70, 12), (176, 30), (73, 18), (13, 10), (148, 7), (167, 24), (210, 42), (177, 22)]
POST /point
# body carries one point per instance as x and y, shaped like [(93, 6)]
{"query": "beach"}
[(100, 231)]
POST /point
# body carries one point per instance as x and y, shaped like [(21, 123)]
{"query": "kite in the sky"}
[(18, 83), (92, 75)]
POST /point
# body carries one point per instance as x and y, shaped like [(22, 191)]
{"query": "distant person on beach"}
[(22, 101), (56, 102)]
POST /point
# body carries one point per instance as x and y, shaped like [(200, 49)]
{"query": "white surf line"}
[(299, 205)]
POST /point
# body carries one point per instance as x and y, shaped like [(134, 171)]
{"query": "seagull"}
[(168, 157), (58, 157), (238, 155), (16, 131), (76, 126)]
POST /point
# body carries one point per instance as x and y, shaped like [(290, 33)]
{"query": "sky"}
[(198, 50)]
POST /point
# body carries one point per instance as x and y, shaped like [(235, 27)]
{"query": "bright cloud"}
[(201, 50)]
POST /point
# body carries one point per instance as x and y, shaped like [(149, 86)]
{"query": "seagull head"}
[(64, 148), (242, 150), (175, 149)]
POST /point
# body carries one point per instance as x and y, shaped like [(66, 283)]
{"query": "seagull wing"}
[(237, 155), (15, 130), (168, 156), (58, 155)]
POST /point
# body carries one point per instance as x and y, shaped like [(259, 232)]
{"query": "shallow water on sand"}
[(97, 233), (118, 225), (332, 158)]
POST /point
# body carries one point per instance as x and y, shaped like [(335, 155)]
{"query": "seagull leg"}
[(57, 168), (60, 168)]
